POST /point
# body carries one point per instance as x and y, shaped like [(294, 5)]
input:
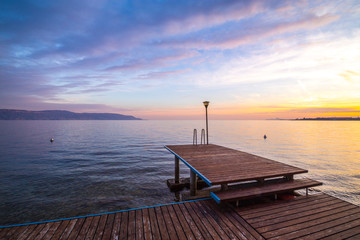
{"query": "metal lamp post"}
[(206, 104)]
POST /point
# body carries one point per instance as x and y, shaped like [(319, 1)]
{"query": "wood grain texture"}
[(313, 217), (224, 165)]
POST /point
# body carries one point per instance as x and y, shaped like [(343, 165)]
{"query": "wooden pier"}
[(313, 217), (317, 216)]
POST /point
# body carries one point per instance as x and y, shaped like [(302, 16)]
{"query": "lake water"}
[(100, 166)]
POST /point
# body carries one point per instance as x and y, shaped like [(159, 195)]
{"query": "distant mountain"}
[(11, 114)]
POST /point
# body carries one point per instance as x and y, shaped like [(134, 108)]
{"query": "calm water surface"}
[(101, 166)]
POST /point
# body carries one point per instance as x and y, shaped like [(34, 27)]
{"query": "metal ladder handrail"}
[(202, 136), (195, 137)]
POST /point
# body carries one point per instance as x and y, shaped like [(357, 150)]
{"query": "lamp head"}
[(206, 103)]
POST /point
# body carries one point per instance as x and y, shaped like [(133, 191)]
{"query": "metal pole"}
[(207, 129)]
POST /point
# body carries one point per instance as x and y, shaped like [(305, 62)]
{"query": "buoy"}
[(265, 137), (52, 140)]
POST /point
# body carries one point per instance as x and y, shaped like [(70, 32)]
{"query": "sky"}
[(161, 59)]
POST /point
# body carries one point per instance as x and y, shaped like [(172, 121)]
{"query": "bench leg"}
[(237, 203), (224, 187), (275, 196), (307, 192)]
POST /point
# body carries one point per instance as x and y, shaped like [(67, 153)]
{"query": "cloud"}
[(161, 75), (151, 61), (249, 35)]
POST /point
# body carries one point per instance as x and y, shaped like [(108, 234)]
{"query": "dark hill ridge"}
[(11, 114)]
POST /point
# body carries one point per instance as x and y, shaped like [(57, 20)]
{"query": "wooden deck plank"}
[(36, 231), (278, 214), (220, 220), (115, 233), (139, 227), (132, 225), (220, 165), (304, 226), (239, 231), (100, 227), (8, 232), (200, 226), (146, 223), (264, 208), (265, 189), (161, 222), (330, 231), (217, 225), (68, 229), (243, 226), (85, 228), (4, 231), (349, 233), (60, 230), (23, 233), (302, 216), (314, 217), (154, 224), (176, 222), (92, 228), (194, 228), (184, 223), (108, 226), (169, 224), (52, 230), (77, 227), (202, 216), (43, 231), (124, 225)]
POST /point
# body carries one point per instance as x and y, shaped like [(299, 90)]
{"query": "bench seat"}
[(263, 190)]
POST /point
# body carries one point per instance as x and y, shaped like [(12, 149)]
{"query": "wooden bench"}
[(263, 190)]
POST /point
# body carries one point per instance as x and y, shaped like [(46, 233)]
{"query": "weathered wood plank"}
[(266, 189), (43, 231), (60, 230), (75, 231), (278, 214), (85, 228), (116, 227), (270, 206), (302, 216), (200, 226), (351, 232), (36, 231), (218, 220), (108, 226), (169, 224), (237, 229), (23, 233), (139, 227), (223, 165), (100, 227), (162, 226), (311, 227), (203, 219), (177, 224), (146, 223), (216, 225), (68, 229), (192, 225), (154, 224), (124, 225), (183, 222), (132, 225), (92, 228)]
